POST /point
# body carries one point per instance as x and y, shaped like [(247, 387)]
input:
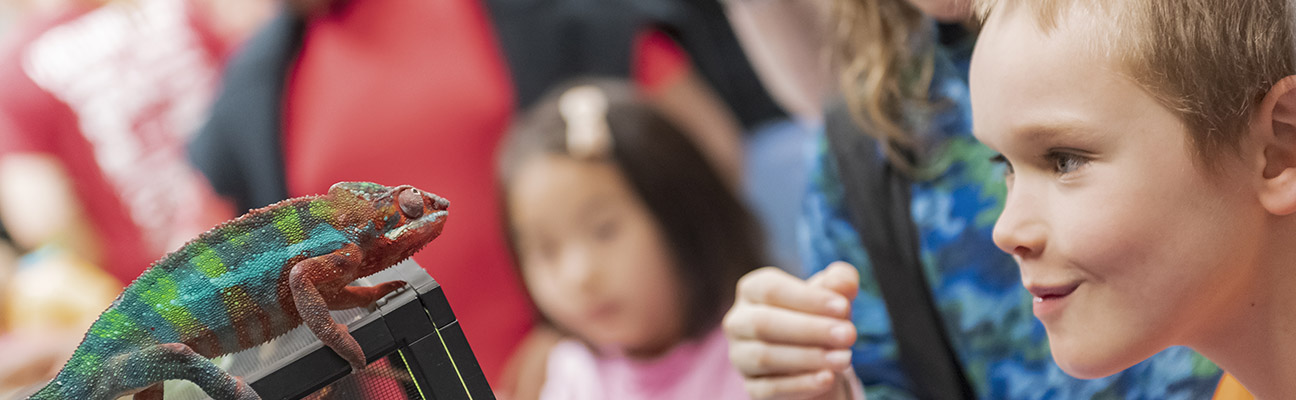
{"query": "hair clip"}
[(584, 109)]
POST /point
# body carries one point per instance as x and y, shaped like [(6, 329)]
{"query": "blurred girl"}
[(629, 243)]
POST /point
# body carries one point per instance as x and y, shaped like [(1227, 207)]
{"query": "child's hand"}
[(791, 338)]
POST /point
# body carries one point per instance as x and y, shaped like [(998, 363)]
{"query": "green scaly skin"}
[(246, 282)]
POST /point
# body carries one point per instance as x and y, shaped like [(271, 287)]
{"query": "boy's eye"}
[(1000, 159), (1064, 162)]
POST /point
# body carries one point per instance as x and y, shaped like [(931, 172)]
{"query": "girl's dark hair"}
[(713, 238)]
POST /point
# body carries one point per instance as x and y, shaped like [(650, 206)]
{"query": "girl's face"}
[(593, 257), (1127, 244)]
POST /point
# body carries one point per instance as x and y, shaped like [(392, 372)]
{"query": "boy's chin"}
[(1092, 358)]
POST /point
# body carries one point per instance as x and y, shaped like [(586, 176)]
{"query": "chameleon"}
[(245, 282)]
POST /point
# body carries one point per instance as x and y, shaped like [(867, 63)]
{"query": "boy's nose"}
[(1020, 230)]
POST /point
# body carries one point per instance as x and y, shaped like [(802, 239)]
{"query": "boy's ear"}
[(1277, 130)]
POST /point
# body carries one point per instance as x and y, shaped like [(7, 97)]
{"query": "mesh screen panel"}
[(385, 379)]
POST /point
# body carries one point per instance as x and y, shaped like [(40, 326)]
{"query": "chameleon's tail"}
[(76, 380), (49, 392)]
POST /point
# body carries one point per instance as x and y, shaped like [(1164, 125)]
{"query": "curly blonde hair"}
[(1209, 61), (884, 53)]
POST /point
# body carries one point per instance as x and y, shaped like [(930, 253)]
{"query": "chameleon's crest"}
[(366, 190)]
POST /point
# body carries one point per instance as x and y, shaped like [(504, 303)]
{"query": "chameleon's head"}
[(399, 220)]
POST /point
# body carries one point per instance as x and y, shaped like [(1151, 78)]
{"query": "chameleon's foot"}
[(347, 347), (362, 296)]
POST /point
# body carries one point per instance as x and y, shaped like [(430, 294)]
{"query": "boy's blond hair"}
[(1209, 61)]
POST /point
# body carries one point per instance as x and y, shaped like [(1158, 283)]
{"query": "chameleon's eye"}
[(411, 203)]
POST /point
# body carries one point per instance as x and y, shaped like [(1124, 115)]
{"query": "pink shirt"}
[(692, 370)]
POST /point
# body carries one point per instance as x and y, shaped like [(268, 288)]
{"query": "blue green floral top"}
[(1002, 346)]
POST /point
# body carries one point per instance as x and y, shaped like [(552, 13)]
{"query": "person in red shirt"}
[(98, 104), (107, 97)]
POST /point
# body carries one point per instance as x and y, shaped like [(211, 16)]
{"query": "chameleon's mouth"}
[(433, 221)]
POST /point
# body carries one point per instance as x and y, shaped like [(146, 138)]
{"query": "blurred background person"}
[(629, 242), (99, 100), (104, 99), (787, 44)]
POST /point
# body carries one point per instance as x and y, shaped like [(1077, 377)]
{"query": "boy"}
[(1151, 167)]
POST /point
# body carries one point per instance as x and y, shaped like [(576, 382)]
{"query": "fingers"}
[(753, 358), (787, 336), (840, 277), (773, 287), (778, 308), (782, 326), (801, 386)]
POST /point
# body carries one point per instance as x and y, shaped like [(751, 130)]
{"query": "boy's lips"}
[(1050, 298), (1046, 291)]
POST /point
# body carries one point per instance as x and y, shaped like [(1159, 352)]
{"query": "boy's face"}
[(1122, 238)]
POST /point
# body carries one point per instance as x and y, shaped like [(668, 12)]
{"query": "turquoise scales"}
[(246, 282)]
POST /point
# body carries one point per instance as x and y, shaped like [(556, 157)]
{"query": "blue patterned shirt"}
[(1003, 348)]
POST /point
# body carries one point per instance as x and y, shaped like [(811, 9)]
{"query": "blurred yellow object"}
[(47, 304), (52, 290), (8, 264), (1230, 389)]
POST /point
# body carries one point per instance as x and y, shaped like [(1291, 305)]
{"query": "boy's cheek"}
[(1099, 235)]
